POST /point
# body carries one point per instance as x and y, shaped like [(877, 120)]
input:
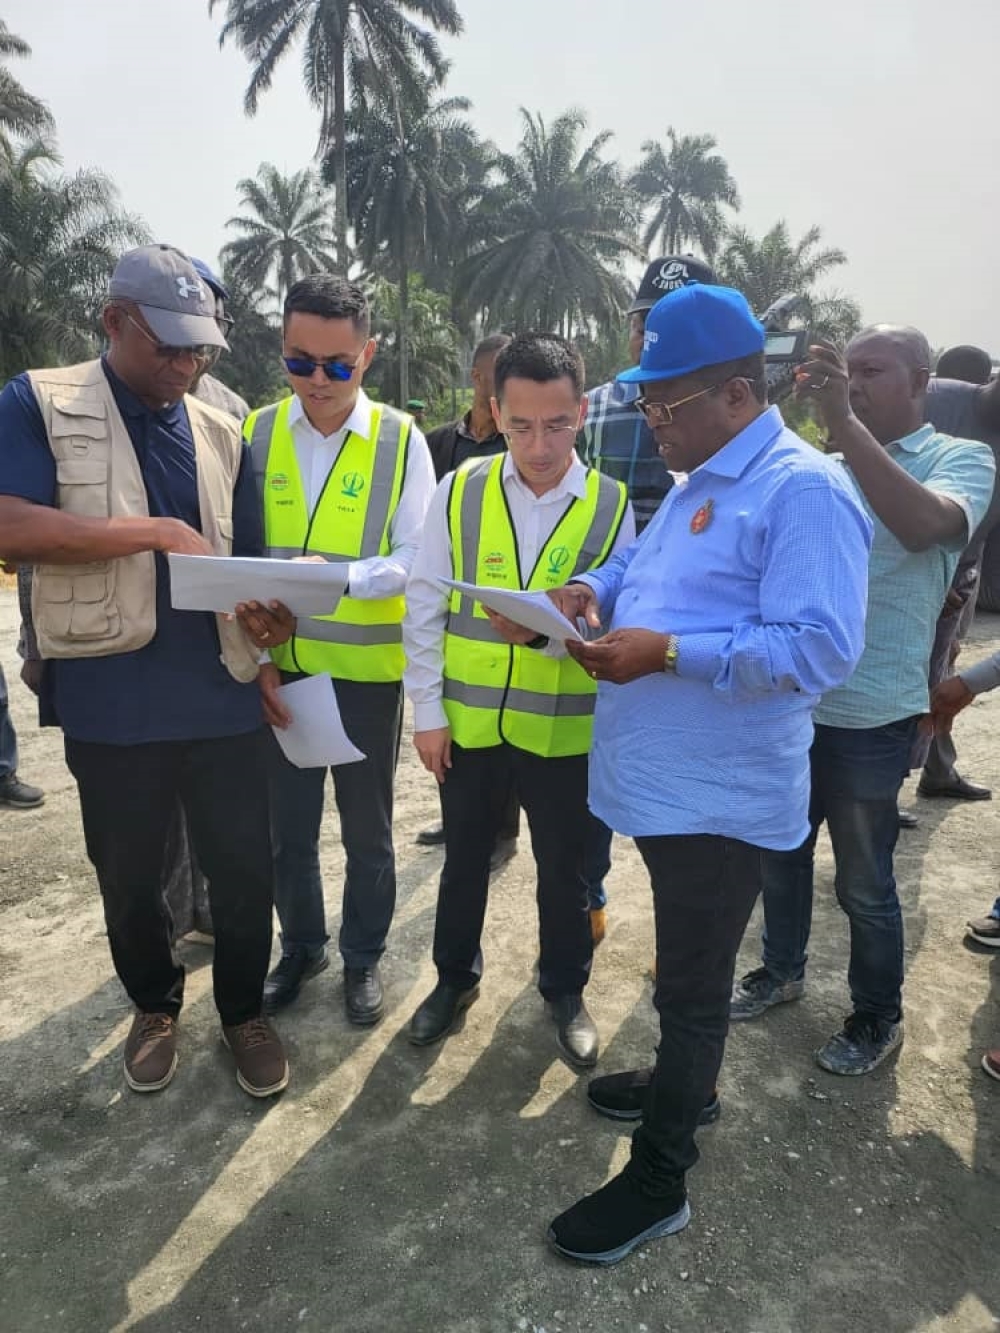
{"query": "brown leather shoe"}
[(261, 1067), (150, 1052), (598, 924)]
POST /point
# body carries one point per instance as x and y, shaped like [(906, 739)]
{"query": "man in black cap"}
[(105, 468), (615, 438)]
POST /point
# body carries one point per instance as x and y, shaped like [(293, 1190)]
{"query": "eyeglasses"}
[(662, 414), (523, 434), (200, 351), (305, 367)]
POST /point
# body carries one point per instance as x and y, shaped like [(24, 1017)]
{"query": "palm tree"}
[(688, 185), (773, 266), (405, 163), (285, 230), (60, 237), (21, 114), (345, 43), (432, 341), (552, 233)]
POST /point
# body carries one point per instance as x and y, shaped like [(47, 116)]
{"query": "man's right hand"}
[(173, 536), (269, 680), (434, 749), (947, 701), (31, 674), (576, 600)]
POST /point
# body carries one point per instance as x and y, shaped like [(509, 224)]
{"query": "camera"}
[(784, 348)]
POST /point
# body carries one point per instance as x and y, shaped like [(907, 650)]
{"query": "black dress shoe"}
[(622, 1096), (440, 1012), (959, 790), (284, 982), (907, 819), (431, 837), (363, 997), (577, 1034), (504, 851)]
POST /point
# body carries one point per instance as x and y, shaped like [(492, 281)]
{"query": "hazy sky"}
[(879, 121)]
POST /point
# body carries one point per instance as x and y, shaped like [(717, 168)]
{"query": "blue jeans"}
[(856, 777), (8, 740), (372, 715)]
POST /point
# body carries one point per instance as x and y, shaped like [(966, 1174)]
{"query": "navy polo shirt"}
[(176, 687)]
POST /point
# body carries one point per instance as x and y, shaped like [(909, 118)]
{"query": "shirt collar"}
[(360, 420), (129, 405), (573, 483), (916, 441), (734, 458)]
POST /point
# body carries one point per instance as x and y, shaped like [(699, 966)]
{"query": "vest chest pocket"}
[(82, 485)]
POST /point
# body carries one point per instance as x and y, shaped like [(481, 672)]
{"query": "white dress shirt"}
[(534, 517), (378, 575)]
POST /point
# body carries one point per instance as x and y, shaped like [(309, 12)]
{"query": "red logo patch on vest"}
[(703, 517)]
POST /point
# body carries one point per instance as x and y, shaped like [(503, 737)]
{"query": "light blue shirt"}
[(758, 563), (906, 589)]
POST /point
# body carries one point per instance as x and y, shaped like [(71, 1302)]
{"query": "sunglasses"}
[(200, 351), (305, 367)]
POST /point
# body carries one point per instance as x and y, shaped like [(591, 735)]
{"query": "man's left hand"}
[(266, 626), (508, 630), (622, 655)]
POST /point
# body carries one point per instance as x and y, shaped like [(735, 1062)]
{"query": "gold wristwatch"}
[(670, 654)]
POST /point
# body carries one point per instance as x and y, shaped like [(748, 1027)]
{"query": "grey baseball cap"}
[(176, 304)]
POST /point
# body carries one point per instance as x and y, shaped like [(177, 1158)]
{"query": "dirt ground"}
[(407, 1191)]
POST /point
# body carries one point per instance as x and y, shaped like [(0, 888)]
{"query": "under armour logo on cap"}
[(187, 288)]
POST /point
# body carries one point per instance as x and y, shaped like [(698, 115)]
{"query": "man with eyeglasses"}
[(104, 469), (342, 478), (496, 705), (743, 601)]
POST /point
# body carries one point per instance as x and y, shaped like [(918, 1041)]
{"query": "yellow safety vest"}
[(494, 691), (362, 640)]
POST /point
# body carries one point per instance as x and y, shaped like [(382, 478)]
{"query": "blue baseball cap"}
[(694, 327)]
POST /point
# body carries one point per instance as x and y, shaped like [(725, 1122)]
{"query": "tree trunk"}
[(403, 329), (340, 156)]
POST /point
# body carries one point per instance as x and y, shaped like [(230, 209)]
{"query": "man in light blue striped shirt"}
[(926, 494), (742, 602)]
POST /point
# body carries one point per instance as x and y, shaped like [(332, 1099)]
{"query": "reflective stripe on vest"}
[(362, 640), (493, 691)]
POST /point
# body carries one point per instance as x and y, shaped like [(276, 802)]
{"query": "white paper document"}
[(315, 738), (218, 583), (534, 610)]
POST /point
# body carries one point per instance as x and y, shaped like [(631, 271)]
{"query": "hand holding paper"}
[(221, 583), (315, 736), (534, 610)]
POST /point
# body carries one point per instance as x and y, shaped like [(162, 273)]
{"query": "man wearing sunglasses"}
[(104, 469), (345, 479), (742, 602)]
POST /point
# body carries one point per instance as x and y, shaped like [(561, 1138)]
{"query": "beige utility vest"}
[(109, 606)]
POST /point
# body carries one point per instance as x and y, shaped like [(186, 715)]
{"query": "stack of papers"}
[(533, 610), (219, 583)]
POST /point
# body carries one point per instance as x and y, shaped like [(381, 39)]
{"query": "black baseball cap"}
[(667, 275)]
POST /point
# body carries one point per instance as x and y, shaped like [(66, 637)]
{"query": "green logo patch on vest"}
[(559, 558), (278, 481), (353, 483)]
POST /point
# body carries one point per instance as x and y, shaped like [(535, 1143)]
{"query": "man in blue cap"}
[(742, 603)]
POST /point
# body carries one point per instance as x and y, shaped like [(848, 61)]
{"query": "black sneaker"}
[(18, 795), (606, 1226), (758, 991), (622, 1096), (861, 1045)]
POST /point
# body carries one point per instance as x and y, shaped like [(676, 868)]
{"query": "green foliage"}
[(252, 366), (21, 114), (432, 339)]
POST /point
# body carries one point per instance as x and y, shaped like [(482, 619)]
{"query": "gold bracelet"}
[(670, 654)]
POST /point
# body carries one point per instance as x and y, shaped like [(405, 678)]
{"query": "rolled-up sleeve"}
[(813, 597)]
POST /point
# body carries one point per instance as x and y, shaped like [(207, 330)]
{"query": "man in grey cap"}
[(107, 467)]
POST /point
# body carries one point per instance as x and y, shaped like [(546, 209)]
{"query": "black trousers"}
[(553, 795), (128, 798), (704, 889)]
